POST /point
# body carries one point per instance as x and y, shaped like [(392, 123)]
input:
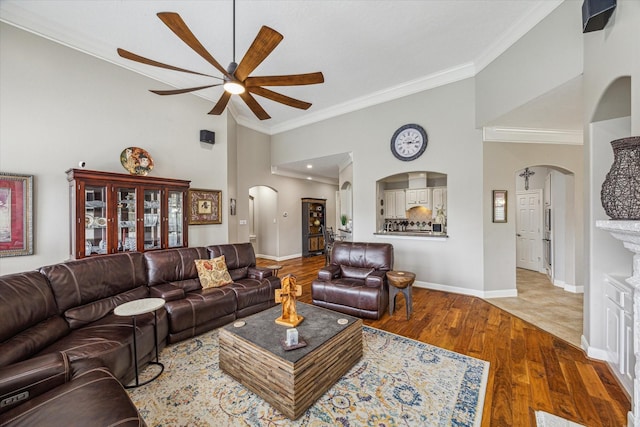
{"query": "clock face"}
[(409, 142)]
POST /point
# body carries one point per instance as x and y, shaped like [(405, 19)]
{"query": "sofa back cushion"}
[(377, 256), (29, 316), (176, 266), (238, 256), (88, 289)]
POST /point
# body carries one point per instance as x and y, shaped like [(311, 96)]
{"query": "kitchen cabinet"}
[(313, 223), (439, 199), (619, 329), (395, 204), (418, 197), (113, 213)]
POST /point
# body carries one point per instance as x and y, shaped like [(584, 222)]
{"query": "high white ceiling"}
[(369, 51)]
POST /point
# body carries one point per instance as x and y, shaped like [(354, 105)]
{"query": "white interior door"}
[(529, 230)]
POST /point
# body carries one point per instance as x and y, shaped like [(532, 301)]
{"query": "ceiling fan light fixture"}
[(233, 87)]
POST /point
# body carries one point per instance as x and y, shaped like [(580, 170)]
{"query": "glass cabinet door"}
[(152, 219), (175, 219), (126, 219), (95, 220)]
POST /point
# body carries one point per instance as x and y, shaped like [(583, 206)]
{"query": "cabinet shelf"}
[(313, 224)]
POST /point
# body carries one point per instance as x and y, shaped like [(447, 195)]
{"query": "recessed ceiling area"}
[(323, 169)]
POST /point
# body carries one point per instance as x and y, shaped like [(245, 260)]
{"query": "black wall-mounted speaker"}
[(596, 14), (207, 136)]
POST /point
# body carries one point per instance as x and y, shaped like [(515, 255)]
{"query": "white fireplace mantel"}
[(629, 233)]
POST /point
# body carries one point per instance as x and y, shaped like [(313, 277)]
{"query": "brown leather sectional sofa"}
[(63, 353)]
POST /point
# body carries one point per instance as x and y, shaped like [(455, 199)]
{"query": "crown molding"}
[(441, 78), (532, 136)]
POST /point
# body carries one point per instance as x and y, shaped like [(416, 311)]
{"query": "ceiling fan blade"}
[(179, 91), (177, 25), (287, 80), (264, 43), (254, 106), (278, 97), (137, 58), (222, 104)]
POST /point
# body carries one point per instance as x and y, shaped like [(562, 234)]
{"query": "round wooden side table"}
[(274, 268), (400, 282)]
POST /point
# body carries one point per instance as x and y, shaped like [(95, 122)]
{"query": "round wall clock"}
[(409, 142)]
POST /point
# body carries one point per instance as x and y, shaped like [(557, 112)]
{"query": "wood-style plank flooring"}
[(530, 369)]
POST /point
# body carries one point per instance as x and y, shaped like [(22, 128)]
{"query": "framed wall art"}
[(499, 205), (205, 206), (16, 214)]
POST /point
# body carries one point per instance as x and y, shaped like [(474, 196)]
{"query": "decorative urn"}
[(620, 195)]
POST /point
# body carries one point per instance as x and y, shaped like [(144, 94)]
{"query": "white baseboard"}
[(593, 352), (574, 289), (465, 291)]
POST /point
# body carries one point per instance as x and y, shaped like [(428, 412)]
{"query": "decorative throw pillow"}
[(213, 272)]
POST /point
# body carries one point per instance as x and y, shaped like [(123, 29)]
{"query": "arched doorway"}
[(263, 229), (545, 223)]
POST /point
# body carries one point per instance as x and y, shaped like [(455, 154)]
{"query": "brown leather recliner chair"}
[(355, 282)]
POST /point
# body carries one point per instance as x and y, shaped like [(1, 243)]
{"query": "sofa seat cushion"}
[(200, 307), (110, 340), (348, 292), (250, 292), (88, 313), (92, 397), (29, 317)]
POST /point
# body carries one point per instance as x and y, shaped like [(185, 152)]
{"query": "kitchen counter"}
[(412, 233)]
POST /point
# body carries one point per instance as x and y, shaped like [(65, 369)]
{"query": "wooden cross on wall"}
[(287, 296), (526, 174)]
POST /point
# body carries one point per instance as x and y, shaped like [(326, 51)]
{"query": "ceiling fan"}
[(236, 79)]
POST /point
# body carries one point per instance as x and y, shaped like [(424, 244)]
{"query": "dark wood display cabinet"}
[(113, 213), (313, 223)]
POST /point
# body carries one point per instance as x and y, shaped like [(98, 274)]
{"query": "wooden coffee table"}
[(291, 381)]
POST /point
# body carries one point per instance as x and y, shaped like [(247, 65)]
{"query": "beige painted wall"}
[(59, 106), (543, 59), (608, 55), (254, 166), (500, 162), (455, 148)]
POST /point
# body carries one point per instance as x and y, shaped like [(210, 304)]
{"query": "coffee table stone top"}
[(319, 326)]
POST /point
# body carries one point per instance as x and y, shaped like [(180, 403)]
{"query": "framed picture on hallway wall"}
[(205, 206), (16, 214), (499, 205)]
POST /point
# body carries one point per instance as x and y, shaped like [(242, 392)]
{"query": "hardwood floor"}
[(530, 369)]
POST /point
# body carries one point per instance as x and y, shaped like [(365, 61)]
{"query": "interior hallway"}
[(548, 307)]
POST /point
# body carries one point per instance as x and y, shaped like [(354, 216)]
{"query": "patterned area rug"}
[(398, 381)]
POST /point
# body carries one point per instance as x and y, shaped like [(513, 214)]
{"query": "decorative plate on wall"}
[(136, 160)]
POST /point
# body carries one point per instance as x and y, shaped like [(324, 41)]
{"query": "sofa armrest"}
[(375, 279), (259, 273), (329, 272), (25, 380), (166, 291)]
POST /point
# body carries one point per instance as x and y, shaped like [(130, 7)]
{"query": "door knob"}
[(519, 235)]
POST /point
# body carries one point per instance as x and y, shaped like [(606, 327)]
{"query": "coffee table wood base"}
[(290, 387)]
